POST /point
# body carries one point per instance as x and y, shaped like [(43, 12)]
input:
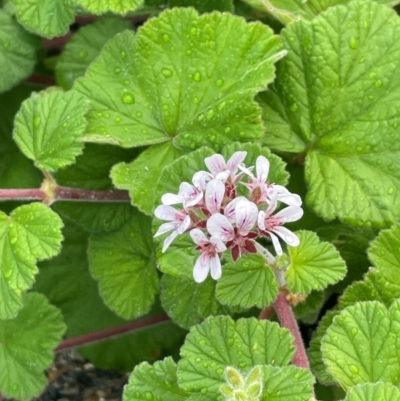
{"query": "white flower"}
[(273, 224), (188, 195), (239, 238), (215, 191), (179, 222), (209, 258)]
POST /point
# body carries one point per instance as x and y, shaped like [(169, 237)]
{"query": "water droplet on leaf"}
[(166, 72), (128, 98)]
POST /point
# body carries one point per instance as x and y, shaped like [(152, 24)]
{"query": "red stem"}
[(111, 332), (267, 313), (66, 194), (287, 319)]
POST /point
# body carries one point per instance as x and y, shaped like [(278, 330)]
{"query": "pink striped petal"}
[(184, 225), (289, 237), (229, 210), (246, 216), (234, 161), (201, 268), (198, 236), (215, 192), (185, 189), (201, 178), (165, 212), (218, 244), (215, 267), (262, 168), (215, 163), (218, 225)]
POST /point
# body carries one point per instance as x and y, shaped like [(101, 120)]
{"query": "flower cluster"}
[(218, 218)]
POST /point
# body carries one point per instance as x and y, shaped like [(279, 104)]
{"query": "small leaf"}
[(248, 282), (204, 6), (220, 342), (84, 47), (47, 18), (362, 344), (373, 392), (187, 302), (154, 382), (17, 52), (91, 171), (140, 177), (115, 6), (27, 344), (204, 100), (49, 126), (314, 264), (352, 173), (123, 263), (31, 233)]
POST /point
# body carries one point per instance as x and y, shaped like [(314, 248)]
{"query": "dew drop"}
[(354, 331), (193, 31), (7, 273), (242, 364), (294, 107), (139, 114), (210, 113), (83, 54), (372, 74), (123, 54), (166, 72), (205, 364), (15, 386), (149, 395), (128, 98), (99, 114), (196, 100), (36, 121), (378, 83), (189, 52), (165, 107), (117, 119), (202, 342), (354, 369), (353, 43), (390, 191), (219, 371), (197, 76), (227, 129), (219, 83), (203, 391), (117, 70), (166, 37), (198, 359), (292, 39), (168, 384), (126, 82)]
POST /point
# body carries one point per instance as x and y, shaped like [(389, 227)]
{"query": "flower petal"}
[(289, 237), (218, 225), (218, 244), (234, 161), (276, 244), (290, 213), (184, 225), (262, 168), (246, 216), (229, 210), (168, 240), (201, 268), (165, 212), (198, 236), (261, 220), (200, 179), (185, 189), (165, 227), (287, 197), (171, 199), (215, 163), (215, 265), (215, 192), (223, 175)]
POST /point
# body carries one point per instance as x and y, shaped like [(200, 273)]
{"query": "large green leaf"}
[(84, 47), (17, 52), (362, 344), (154, 382), (338, 90), (124, 264), (49, 127), (47, 18), (220, 342), (32, 232), (204, 6), (184, 78), (91, 171), (104, 6), (373, 392), (67, 282), (141, 176), (313, 264), (26, 347), (248, 282)]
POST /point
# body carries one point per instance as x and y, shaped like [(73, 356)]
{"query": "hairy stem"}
[(111, 332), (66, 194), (287, 320)]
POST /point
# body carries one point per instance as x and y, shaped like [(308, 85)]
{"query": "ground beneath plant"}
[(72, 378)]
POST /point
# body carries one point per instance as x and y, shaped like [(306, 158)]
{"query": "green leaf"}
[(27, 344), (313, 264), (32, 232), (288, 383), (115, 6), (17, 52), (123, 263), (49, 126), (47, 18), (16, 171), (84, 47), (220, 342), (248, 282), (277, 173), (317, 364), (141, 176), (373, 392), (91, 171), (153, 382), (337, 89), (187, 302), (67, 282), (204, 6), (362, 344), (184, 77)]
